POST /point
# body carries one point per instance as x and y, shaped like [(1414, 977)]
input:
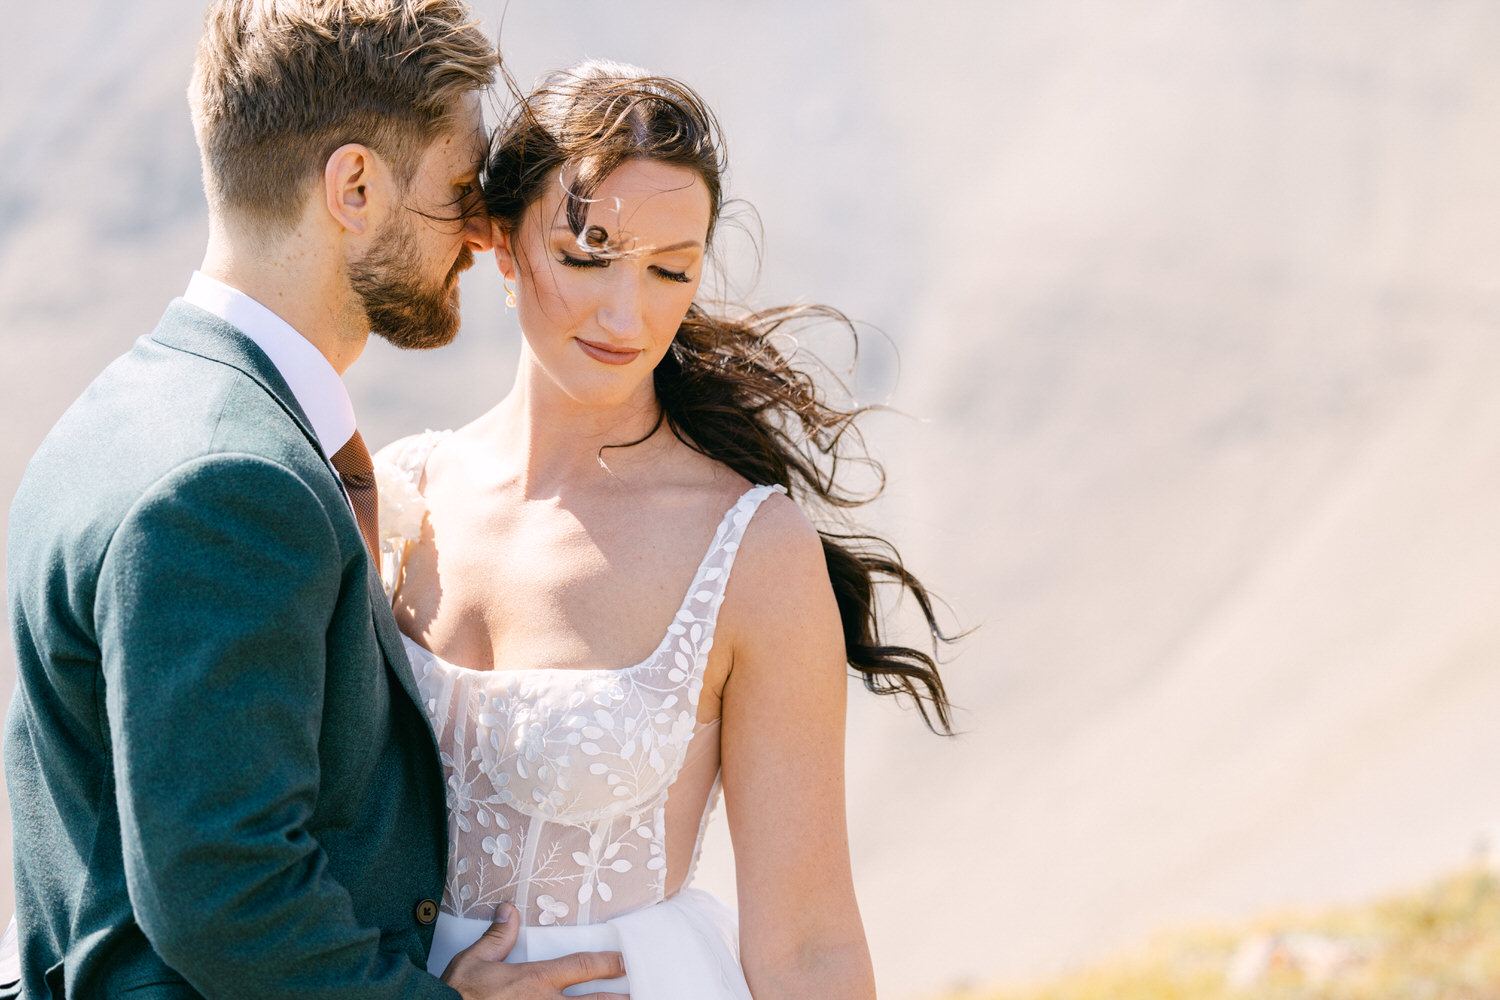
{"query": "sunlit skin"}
[(406, 279), (441, 199), (536, 555), (595, 327), (301, 275)]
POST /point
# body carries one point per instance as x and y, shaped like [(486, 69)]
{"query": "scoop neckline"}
[(661, 647)]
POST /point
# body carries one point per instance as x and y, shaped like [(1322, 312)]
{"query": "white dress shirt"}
[(314, 382)]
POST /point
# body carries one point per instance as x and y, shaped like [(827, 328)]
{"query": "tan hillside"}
[(1197, 308)]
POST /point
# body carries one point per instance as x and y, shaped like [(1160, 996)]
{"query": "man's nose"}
[(479, 231)]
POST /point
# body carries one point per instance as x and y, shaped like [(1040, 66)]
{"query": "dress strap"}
[(691, 634), (409, 455), (398, 474)]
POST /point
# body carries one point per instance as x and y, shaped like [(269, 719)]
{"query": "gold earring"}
[(510, 296)]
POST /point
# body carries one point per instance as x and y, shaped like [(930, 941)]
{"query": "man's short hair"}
[(280, 84)]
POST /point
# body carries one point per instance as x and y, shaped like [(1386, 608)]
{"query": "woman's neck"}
[(547, 443)]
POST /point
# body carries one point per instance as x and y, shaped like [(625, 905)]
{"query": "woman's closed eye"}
[(568, 260)]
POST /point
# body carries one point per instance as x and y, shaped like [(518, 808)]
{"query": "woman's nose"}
[(620, 311)]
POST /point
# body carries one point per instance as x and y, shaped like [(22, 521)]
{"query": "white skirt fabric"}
[(684, 948)]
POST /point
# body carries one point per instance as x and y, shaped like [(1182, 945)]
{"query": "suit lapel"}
[(390, 642), (185, 327)]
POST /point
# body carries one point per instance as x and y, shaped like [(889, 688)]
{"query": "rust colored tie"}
[(352, 463)]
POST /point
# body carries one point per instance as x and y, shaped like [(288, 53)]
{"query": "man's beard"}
[(409, 315)]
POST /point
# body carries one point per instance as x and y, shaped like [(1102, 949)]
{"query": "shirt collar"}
[(314, 382)]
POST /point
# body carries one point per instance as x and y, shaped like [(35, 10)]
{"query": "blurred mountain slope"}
[(1195, 308)]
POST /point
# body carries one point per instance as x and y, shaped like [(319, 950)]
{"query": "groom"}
[(221, 779)]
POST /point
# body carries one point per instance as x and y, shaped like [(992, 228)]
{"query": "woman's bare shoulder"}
[(780, 526), (780, 563), (780, 618)]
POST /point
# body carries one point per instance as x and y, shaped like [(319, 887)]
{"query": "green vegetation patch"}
[(1441, 943)]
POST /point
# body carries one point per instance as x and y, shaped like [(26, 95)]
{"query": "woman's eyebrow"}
[(680, 245)]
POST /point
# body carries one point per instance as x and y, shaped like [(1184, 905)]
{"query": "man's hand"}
[(480, 972)]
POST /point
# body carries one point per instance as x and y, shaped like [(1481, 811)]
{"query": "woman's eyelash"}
[(568, 260)]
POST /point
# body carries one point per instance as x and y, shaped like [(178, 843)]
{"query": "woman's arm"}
[(783, 764)]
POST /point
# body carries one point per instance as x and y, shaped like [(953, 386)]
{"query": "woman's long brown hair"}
[(725, 388)]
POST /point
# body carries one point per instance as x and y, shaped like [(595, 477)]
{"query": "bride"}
[(613, 604)]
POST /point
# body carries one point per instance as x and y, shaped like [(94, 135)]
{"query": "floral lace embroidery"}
[(558, 779)]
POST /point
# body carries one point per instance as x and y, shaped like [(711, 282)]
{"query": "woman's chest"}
[(513, 593)]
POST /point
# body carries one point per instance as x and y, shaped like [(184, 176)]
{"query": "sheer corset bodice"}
[(576, 794)]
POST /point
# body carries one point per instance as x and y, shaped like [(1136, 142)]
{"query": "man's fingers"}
[(499, 937), (583, 966), (479, 970)]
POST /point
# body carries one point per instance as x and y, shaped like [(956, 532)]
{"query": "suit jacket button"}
[(427, 911)]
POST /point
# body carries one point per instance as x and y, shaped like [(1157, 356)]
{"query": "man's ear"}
[(505, 256), (354, 183)]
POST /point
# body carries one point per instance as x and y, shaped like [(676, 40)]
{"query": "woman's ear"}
[(505, 255), (353, 179)]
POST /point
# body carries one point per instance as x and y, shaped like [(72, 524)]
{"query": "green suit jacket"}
[(221, 780)]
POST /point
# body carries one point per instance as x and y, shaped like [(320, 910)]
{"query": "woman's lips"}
[(608, 355)]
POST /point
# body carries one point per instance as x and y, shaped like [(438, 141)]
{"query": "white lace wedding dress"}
[(581, 795)]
